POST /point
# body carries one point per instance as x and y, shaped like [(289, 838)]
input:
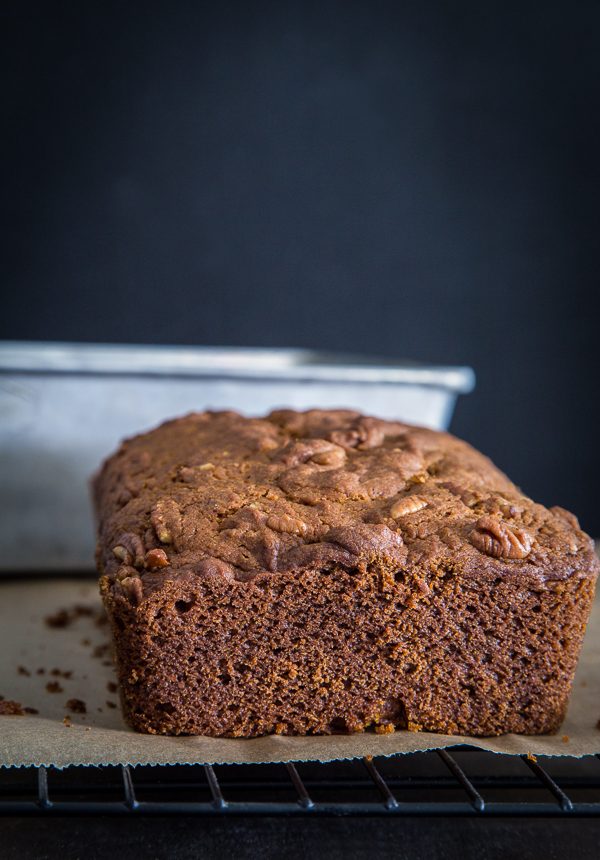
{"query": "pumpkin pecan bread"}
[(326, 572)]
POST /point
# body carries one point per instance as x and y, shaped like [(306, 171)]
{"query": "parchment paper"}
[(99, 737)]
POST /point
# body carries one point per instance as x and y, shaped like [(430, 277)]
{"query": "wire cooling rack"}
[(460, 782)]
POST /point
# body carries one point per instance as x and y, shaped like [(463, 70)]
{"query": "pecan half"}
[(122, 554), (132, 586), (496, 504), (408, 505), (286, 524), (156, 558), (166, 520), (495, 538), (468, 497), (333, 457), (509, 509), (364, 434), (130, 549), (125, 571), (320, 451)]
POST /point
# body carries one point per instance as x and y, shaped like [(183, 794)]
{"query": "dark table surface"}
[(187, 837)]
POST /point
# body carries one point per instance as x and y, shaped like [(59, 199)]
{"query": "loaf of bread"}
[(324, 572)]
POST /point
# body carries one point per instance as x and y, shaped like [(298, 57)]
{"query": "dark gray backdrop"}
[(417, 180)]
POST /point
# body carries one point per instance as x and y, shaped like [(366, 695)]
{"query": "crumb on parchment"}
[(54, 687), (101, 651), (10, 708), (65, 617), (61, 673)]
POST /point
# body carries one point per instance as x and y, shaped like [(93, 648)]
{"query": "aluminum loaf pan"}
[(64, 407)]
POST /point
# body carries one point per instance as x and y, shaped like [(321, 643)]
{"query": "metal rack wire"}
[(461, 782)]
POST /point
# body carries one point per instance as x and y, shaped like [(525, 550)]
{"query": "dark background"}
[(411, 179), (416, 180)]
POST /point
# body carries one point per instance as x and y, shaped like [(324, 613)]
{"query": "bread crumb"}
[(65, 617), (54, 687), (23, 671), (77, 706), (385, 729), (10, 708), (101, 651), (61, 673), (59, 619), (101, 618), (565, 739), (531, 757), (67, 721), (110, 704), (111, 687)]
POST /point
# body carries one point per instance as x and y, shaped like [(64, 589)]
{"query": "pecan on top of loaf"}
[(218, 494)]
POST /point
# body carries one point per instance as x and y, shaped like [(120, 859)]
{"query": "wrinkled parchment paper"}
[(77, 655)]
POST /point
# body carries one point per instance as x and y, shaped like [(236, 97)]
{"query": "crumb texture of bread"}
[(325, 571)]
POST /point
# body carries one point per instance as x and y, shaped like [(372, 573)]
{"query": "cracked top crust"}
[(215, 494)]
